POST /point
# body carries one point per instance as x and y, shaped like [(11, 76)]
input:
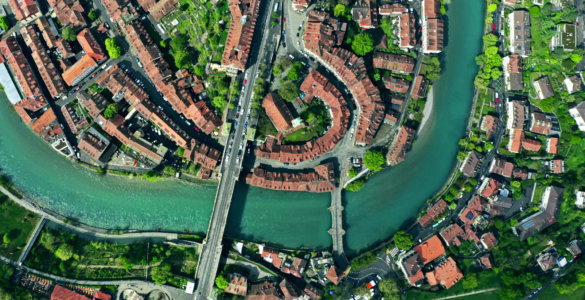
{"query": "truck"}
[(275, 6), (371, 284)]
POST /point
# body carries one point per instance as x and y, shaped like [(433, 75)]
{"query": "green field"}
[(16, 223)]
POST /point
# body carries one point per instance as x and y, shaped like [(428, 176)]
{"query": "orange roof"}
[(430, 249), (531, 145), (552, 145), (47, 118), (278, 112), (515, 142), (79, 70), (447, 273), (61, 293), (90, 45)]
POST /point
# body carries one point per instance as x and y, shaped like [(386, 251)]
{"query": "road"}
[(230, 169)]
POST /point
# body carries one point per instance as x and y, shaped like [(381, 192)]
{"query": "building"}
[(93, 146), (272, 256), (488, 241), (116, 128), (90, 45), (81, 69), (578, 113), (364, 15), (238, 285), (489, 187), (517, 112), (313, 291), (520, 38), (547, 260), (394, 9), (489, 124), (552, 145), (24, 9), (158, 9), (485, 261), (61, 293), (289, 291), (515, 140), (411, 266), (48, 31), (454, 235), (446, 273), (531, 145), (543, 88), (512, 65), (95, 104), (278, 112), (264, 291), (502, 167), (319, 180), (300, 5), (580, 199), (557, 166), (432, 26), (546, 216), (471, 164), (430, 250), (473, 210), (69, 12), (335, 275), (575, 248), (566, 37), (545, 124), (294, 266), (420, 88), (396, 63), (75, 118), (396, 84), (397, 152), (207, 157), (239, 40), (21, 71), (573, 84), (406, 31), (433, 213)]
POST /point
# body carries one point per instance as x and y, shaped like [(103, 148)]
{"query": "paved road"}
[(230, 170), (469, 294)]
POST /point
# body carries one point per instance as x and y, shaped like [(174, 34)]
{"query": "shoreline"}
[(427, 111)]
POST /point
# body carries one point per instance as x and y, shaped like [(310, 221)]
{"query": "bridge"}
[(336, 230), (230, 170)]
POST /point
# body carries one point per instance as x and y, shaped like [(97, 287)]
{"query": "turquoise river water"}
[(289, 219)]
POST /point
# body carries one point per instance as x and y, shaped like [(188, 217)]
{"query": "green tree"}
[(179, 42), (362, 44), (470, 281), (221, 282), (219, 102), (161, 274), (6, 239), (276, 70), (356, 185), (4, 23), (352, 173), (461, 155), (432, 67), (170, 170), (64, 252), (69, 34), (534, 11), (293, 74), (111, 110), (403, 240), (489, 146), (389, 288), (113, 48), (163, 43), (339, 10), (92, 15), (576, 58), (374, 160), (288, 91), (492, 7)]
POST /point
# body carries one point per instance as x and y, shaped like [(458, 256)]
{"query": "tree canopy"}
[(432, 67), (339, 10), (362, 44), (4, 23), (64, 252), (288, 91), (403, 240), (374, 160), (221, 282), (161, 274), (356, 185), (69, 34), (389, 288), (111, 110), (92, 15), (113, 48)]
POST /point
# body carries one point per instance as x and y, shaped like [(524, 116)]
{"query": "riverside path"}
[(230, 169)]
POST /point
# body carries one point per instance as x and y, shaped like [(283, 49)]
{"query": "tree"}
[(403, 240), (356, 185), (221, 282), (276, 70), (389, 288), (69, 34), (92, 15), (6, 239), (576, 58), (534, 11), (489, 146), (163, 43), (470, 281), (492, 7), (64, 252), (339, 10), (432, 67), (362, 44), (179, 42), (113, 48), (352, 173), (293, 74), (288, 91), (461, 155), (111, 110), (374, 160), (161, 274), (170, 170), (219, 102), (4, 23)]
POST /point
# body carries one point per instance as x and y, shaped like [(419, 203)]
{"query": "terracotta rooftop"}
[(75, 120), (24, 8), (489, 187), (158, 9), (396, 84), (289, 291), (300, 5), (420, 88), (557, 166), (95, 104), (364, 15), (238, 285), (92, 145), (446, 273), (516, 115), (430, 249), (512, 66), (294, 266), (313, 291), (69, 12), (264, 291), (412, 268), (334, 275), (61, 293), (46, 32), (471, 163), (278, 112), (541, 123), (115, 127), (397, 153), (90, 45), (239, 40), (552, 145), (502, 167), (531, 145), (20, 67), (489, 124), (202, 154), (433, 212), (393, 62), (474, 208), (486, 261), (321, 180), (81, 69), (46, 119), (515, 141), (489, 241), (407, 30)]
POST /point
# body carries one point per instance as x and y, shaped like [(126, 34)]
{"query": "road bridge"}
[(230, 169)]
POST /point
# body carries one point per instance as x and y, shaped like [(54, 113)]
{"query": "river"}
[(288, 219)]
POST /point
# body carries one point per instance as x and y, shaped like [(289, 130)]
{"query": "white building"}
[(578, 113)]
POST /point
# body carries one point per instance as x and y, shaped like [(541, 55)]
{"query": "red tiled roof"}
[(430, 249), (420, 87), (447, 273), (79, 70), (392, 9), (158, 9), (540, 123), (43, 121), (433, 212), (489, 124), (552, 145), (515, 141), (278, 112), (69, 12), (24, 8), (490, 188), (61, 293), (334, 275), (486, 261), (238, 285), (393, 62), (396, 84), (239, 40), (489, 241), (502, 167), (90, 45), (474, 208), (321, 180), (271, 255), (397, 153), (93, 146), (531, 145)]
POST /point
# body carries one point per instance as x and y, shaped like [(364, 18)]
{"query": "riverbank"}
[(428, 110)]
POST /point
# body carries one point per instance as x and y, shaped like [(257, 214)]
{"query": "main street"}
[(230, 169)]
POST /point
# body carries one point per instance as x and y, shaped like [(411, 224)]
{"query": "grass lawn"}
[(264, 127), (18, 223), (552, 293)]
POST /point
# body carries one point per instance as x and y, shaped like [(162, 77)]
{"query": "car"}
[(107, 25), (284, 45), (137, 60), (420, 28), (237, 160), (197, 129), (236, 123), (283, 19), (245, 81), (298, 43), (494, 26), (93, 75), (497, 100), (78, 88), (298, 34)]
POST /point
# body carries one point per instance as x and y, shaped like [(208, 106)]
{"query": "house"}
[(90, 45), (300, 5), (406, 31), (580, 199), (24, 9), (552, 145), (335, 275), (489, 124), (61, 293), (294, 266), (502, 167), (159, 9), (396, 63), (446, 273), (81, 69), (454, 235), (489, 187), (474, 209), (411, 266), (391, 117), (471, 164), (578, 113), (515, 140), (75, 118), (397, 152), (545, 124), (432, 26), (278, 112), (512, 66), (396, 84), (547, 260), (289, 291), (420, 88), (429, 250), (394, 9), (364, 15), (546, 216), (272, 256), (238, 285), (520, 38), (239, 41), (573, 84), (566, 37), (501, 205), (485, 261), (512, 3), (543, 88), (313, 291), (557, 166), (531, 145), (204, 155), (488, 241), (264, 291), (319, 180), (93, 145), (517, 112), (69, 12), (576, 247), (433, 213)]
